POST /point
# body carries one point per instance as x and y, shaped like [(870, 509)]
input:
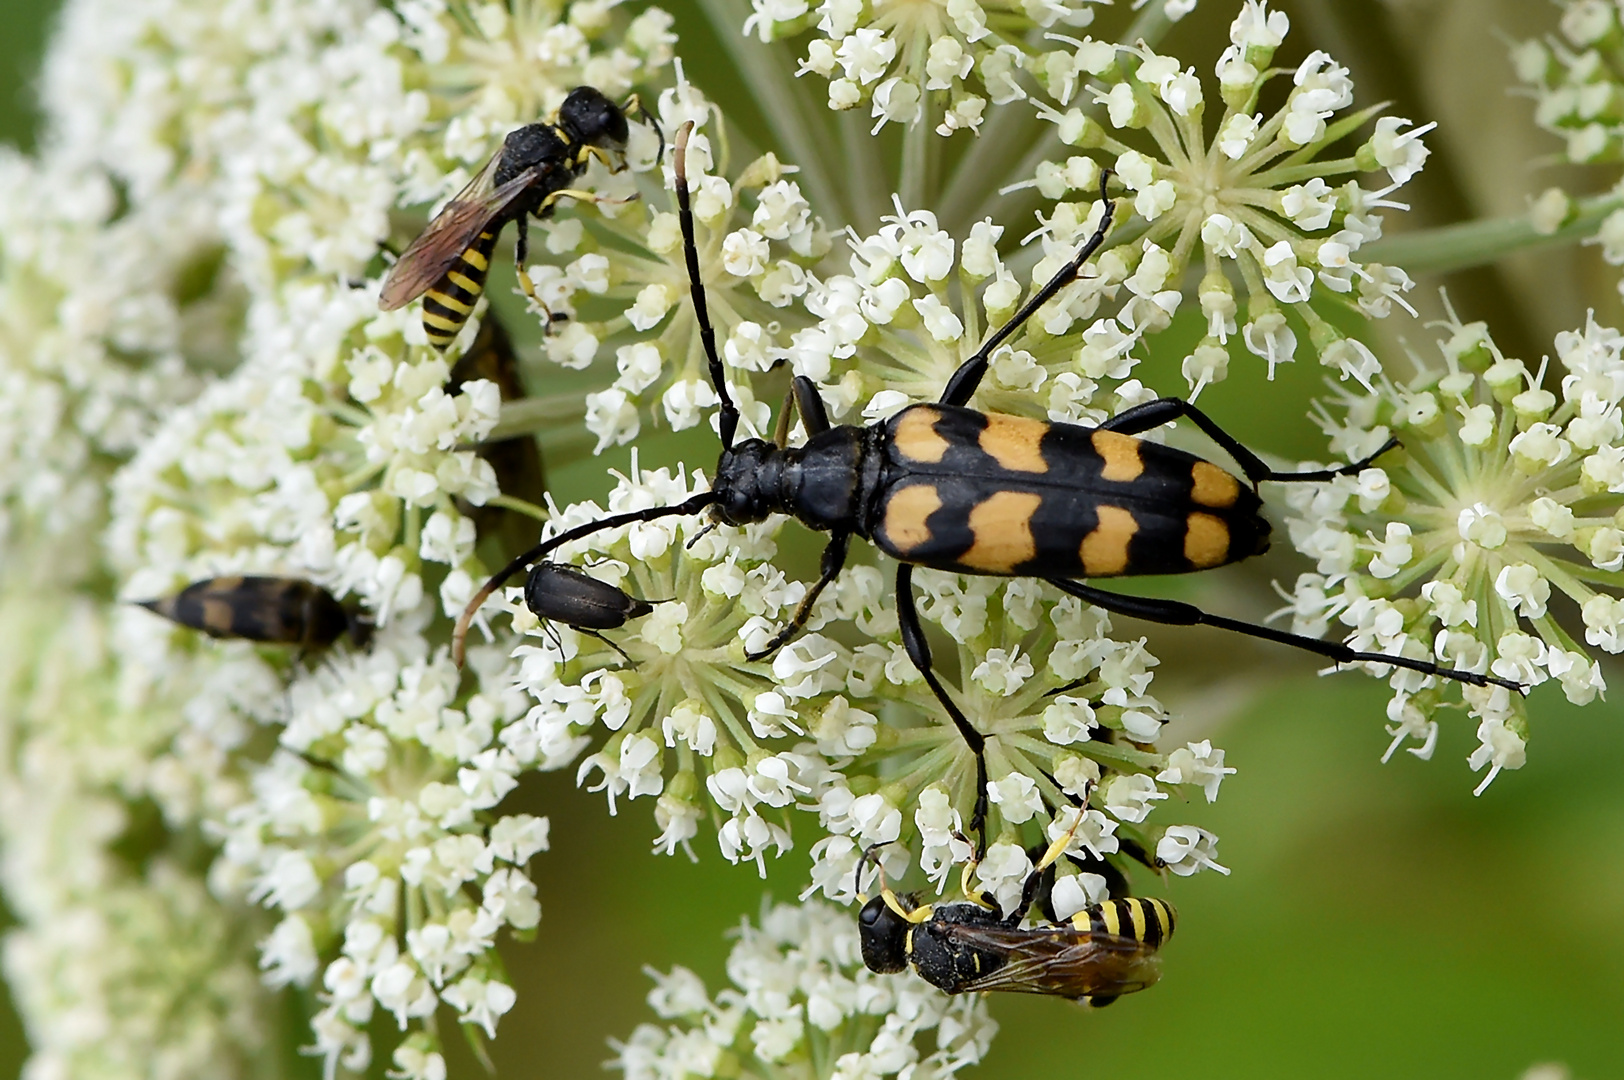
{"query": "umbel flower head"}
[(1254, 199), (1574, 77), (1492, 541), (801, 1003)]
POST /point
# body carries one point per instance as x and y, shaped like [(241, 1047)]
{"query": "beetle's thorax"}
[(821, 484)]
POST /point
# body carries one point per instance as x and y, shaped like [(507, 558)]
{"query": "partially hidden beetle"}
[(535, 167), (272, 610), (947, 487), (560, 593)]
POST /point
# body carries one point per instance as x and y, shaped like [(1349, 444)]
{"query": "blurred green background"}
[(1379, 921)]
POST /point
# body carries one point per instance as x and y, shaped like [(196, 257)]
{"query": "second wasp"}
[(448, 262)]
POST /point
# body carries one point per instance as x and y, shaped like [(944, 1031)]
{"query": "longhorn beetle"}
[(950, 488)]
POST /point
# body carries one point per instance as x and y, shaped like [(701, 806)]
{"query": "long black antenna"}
[(459, 635), (729, 418)]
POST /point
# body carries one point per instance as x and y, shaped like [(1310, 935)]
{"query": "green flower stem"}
[(522, 506), (525, 416), (1475, 243)]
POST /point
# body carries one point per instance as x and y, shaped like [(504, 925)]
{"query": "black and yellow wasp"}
[(448, 262), (947, 487), (273, 610), (1102, 952)]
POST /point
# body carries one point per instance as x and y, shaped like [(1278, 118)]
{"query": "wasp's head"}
[(884, 937), (590, 117)]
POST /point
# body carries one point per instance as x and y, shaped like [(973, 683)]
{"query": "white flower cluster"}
[(688, 721), (1575, 75), (193, 349), (803, 1004), (372, 831), (1254, 203), (759, 239), (896, 326), (944, 62), (121, 963), (1505, 506)]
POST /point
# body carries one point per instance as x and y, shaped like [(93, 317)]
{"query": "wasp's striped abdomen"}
[(990, 494), (449, 302), (1143, 919)]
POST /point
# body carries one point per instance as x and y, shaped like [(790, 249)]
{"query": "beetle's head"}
[(746, 487)]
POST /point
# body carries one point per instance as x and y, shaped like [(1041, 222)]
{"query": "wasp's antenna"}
[(459, 635), (654, 123), (729, 417)]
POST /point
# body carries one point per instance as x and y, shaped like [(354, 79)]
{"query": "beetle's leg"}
[(918, 650), (803, 394), (1176, 613), (834, 557), (965, 380), (1153, 414), (606, 641), (810, 402), (728, 413)]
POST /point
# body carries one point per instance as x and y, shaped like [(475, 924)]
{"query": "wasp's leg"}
[(1176, 613), (1153, 414), (521, 256), (918, 650), (834, 558), (965, 380)]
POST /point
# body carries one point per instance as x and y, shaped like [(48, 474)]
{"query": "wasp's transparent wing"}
[(1061, 961), (449, 234)]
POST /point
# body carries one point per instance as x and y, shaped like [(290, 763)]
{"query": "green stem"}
[(916, 160), (1475, 243), (518, 505), (525, 416)]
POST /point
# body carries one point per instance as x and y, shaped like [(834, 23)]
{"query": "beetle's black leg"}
[(834, 557), (1153, 414), (803, 394), (728, 420), (918, 650), (1175, 613), (810, 402), (965, 380), (606, 641)]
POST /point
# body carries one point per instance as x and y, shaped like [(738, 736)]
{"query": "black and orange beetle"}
[(944, 486)]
